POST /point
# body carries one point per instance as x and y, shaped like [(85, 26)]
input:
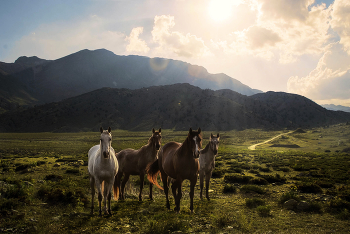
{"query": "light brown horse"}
[(179, 162), (135, 162), (207, 162)]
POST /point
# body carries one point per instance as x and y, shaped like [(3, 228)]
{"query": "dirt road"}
[(252, 147)]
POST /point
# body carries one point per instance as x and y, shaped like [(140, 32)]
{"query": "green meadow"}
[(44, 185)]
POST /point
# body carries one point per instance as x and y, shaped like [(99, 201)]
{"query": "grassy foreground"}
[(44, 185)]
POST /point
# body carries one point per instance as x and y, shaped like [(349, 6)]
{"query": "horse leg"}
[(150, 191), (179, 196), (108, 195), (166, 188), (142, 176), (92, 185), (193, 184), (207, 179), (173, 188), (201, 180), (122, 190), (118, 178), (99, 191)]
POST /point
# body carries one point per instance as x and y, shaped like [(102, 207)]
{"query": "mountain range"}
[(89, 89), (178, 107), (31, 81)]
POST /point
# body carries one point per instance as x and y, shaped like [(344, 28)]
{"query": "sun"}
[(220, 10)]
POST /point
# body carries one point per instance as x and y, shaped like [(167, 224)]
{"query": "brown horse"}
[(207, 162), (179, 162), (135, 162)]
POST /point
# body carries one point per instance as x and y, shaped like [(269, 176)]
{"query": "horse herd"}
[(174, 161)]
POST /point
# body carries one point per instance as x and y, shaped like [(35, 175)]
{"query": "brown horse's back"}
[(166, 158)]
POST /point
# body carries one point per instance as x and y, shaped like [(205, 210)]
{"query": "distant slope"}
[(178, 106), (336, 107), (298, 110), (51, 81)]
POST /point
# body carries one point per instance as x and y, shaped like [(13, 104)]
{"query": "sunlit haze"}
[(299, 46)]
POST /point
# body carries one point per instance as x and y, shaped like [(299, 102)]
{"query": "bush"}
[(254, 202), (309, 187), (264, 210), (274, 179), (252, 188), (265, 169), (259, 181), (72, 171), (57, 196), (217, 173), (237, 179), (287, 196), (229, 188)]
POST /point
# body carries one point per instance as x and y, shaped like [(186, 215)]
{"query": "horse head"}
[(105, 142), (195, 139), (214, 143), (156, 138)]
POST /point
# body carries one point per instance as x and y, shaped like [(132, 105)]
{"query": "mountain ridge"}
[(177, 107), (46, 81)]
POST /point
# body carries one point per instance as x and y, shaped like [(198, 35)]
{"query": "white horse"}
[(207, 162), (103, 167)]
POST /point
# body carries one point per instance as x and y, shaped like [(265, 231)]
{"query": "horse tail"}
[(152, 173), (116, 189)]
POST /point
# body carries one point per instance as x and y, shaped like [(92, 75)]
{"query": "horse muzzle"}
[(157, 146), (105, 154)]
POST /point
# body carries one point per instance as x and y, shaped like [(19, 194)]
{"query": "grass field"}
[(44, 185)]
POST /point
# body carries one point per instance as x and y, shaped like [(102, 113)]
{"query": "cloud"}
[(174, 42), (135, 43), (284, 29), (340, 22), (52, 41), (329, 80)]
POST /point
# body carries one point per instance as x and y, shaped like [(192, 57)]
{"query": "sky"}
[(294, 46)]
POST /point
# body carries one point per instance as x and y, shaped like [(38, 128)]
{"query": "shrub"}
[(254, 202), (259, 181), (344, 215), (72, 171), (57, 196), (274, 178), (252, 188), (287, 196), (265, 169), (309, 187), (217, 173), (264, 210), (237, 179), (229, 188), (53, 177)]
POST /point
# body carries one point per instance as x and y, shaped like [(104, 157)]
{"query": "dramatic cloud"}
[(329, 80), (341, 22), (176, 42), (135, 43)]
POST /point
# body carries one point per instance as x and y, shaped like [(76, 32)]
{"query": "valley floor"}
[(44, 185)]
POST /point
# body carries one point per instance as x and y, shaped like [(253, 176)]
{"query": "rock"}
[(57, 165), (303, 205), (28, 183), (81, 162), (57, 218), (290, 204)]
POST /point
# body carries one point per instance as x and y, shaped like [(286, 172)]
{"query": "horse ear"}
[(211, 135), (109, 129), (101, 129), (218, 135), (153, 131), (190, 130), (199, 130), (160, 130)]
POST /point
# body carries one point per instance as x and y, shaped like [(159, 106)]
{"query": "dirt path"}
[(252, 147)]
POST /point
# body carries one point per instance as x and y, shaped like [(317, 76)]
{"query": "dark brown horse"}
[(135, 162), (179, 162)]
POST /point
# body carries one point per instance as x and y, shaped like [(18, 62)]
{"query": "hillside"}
[(176, 107), (41, 81)]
